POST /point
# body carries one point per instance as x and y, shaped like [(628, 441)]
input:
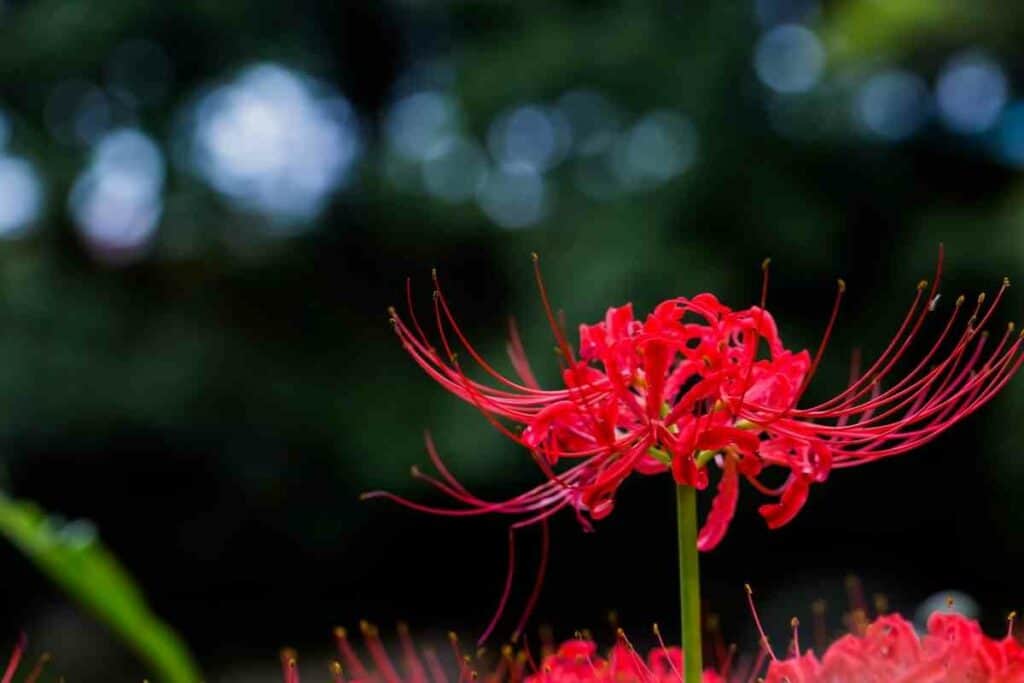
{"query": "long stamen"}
[(556, 329), (16, 655), (661, 644), (757, 621), (506, 590), (538, 583)]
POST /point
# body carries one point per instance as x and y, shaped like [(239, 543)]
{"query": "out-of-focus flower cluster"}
[(887, 650)]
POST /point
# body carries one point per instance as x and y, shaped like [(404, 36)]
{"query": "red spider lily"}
[(887, 650), (687, 387)]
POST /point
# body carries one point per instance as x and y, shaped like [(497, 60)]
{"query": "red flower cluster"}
[(689, 387), (577, 661), (888, 650), (954, 650)]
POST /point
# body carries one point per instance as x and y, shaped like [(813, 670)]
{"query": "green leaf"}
[(71, 556), (868, 29)]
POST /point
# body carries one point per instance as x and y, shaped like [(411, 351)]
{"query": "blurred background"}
[(205, 209)]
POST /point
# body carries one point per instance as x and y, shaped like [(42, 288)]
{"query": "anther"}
[(767, 262), (534, 256), (981, 298), (794, 622), (949, 602), (842, 284), (1006, 282), (923, 284), (960, 300), (1010, 326)]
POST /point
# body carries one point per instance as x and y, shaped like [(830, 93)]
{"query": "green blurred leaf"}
[(868, 29), (72, 557)]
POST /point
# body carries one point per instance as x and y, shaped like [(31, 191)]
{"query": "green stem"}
[(689, 581)]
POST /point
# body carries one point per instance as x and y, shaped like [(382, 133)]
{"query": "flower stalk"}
[(689, 581)]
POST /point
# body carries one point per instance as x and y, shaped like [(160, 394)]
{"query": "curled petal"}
[(821, 462), (717, 438), (794, 495), (545, 421), (722, 508)]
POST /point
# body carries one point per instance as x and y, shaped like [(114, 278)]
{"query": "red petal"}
[(656, 360), (542, 423), (722, 509), (793, 498)]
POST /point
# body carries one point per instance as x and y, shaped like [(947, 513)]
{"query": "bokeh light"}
[(773, 12), (971, 92), (274, 143), (789, 59), (5, 130), (514, 196), (21, 196), (455, 170), (660, 146), (1010, 134), (893, 104), (592, 119), (78, 112), (416, 124), (117, 201), (531, 136)]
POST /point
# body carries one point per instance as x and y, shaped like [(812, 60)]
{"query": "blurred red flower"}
[(887, 650)]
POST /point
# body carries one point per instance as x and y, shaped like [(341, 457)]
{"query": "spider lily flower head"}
[(687, 391)]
